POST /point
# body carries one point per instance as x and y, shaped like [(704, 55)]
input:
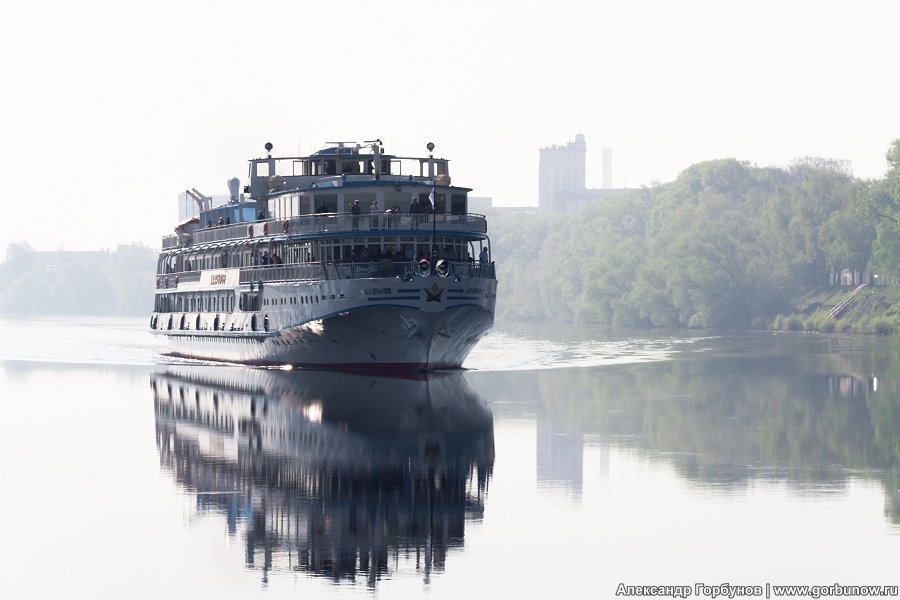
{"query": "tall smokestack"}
[(607, 168)]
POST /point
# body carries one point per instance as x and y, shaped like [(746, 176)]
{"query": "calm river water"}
[(564, 463)]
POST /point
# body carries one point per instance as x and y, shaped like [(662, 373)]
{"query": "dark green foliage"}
[(725, 245)]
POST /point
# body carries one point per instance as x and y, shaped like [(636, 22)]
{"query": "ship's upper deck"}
[(346, 187), (342, 162)]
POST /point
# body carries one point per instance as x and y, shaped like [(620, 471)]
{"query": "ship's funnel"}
[(234, 184)]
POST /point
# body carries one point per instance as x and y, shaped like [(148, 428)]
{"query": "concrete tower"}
[(607, 169), (561, 169)]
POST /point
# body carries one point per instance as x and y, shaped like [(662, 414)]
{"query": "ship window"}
[(330, 201), (440, 203), (262, 169), (249, 301), (305, 205), (301, 167), (350, 166), (458, 204)]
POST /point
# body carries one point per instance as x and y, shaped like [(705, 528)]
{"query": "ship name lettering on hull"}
[(377, 291)]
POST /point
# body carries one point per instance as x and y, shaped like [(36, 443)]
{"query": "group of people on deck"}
[(274, 260), (375, 222)]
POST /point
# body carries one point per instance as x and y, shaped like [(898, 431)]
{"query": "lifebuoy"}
[(285, 226)]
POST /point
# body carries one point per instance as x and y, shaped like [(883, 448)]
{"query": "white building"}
[(561, 169), (561, 178)]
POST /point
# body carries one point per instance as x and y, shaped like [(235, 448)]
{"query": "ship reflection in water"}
[(349, 477)]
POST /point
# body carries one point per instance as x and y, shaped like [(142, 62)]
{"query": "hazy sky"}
[(111, 109)]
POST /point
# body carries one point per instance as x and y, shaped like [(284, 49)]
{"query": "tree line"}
[(726, 244), (118, 282)]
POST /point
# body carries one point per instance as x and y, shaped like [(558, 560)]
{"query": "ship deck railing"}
[(330, 223), (323, 271)]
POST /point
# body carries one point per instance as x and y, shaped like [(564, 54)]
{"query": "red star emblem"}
[(433, 293)]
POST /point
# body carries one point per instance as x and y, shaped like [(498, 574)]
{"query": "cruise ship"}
[(347, 258), (339, 475)]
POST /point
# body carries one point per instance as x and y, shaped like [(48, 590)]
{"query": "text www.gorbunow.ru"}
[(727, 590)]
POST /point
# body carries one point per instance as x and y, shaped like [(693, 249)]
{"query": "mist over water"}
[(561, 463)]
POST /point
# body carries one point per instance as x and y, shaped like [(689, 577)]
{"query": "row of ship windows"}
[(224, 301), (291, 205), (295, 300), (262, 252)]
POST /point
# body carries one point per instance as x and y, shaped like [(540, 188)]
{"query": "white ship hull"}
[(428, 323)]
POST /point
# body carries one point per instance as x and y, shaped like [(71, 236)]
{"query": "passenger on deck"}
[(391, 217), (415, 209), (322, 208), (264, 259), (276, 260), (483, 257), (221, 221), (373, 218), (355, 209)]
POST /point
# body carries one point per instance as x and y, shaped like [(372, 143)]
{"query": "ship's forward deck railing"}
[(330, 223), (323, 271)]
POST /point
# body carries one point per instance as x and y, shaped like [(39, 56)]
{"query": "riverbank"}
[(874, 310)]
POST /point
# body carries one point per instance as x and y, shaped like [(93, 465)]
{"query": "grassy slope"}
[(874, 310)]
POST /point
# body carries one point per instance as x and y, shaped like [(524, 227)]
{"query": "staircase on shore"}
[(838, 310)]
